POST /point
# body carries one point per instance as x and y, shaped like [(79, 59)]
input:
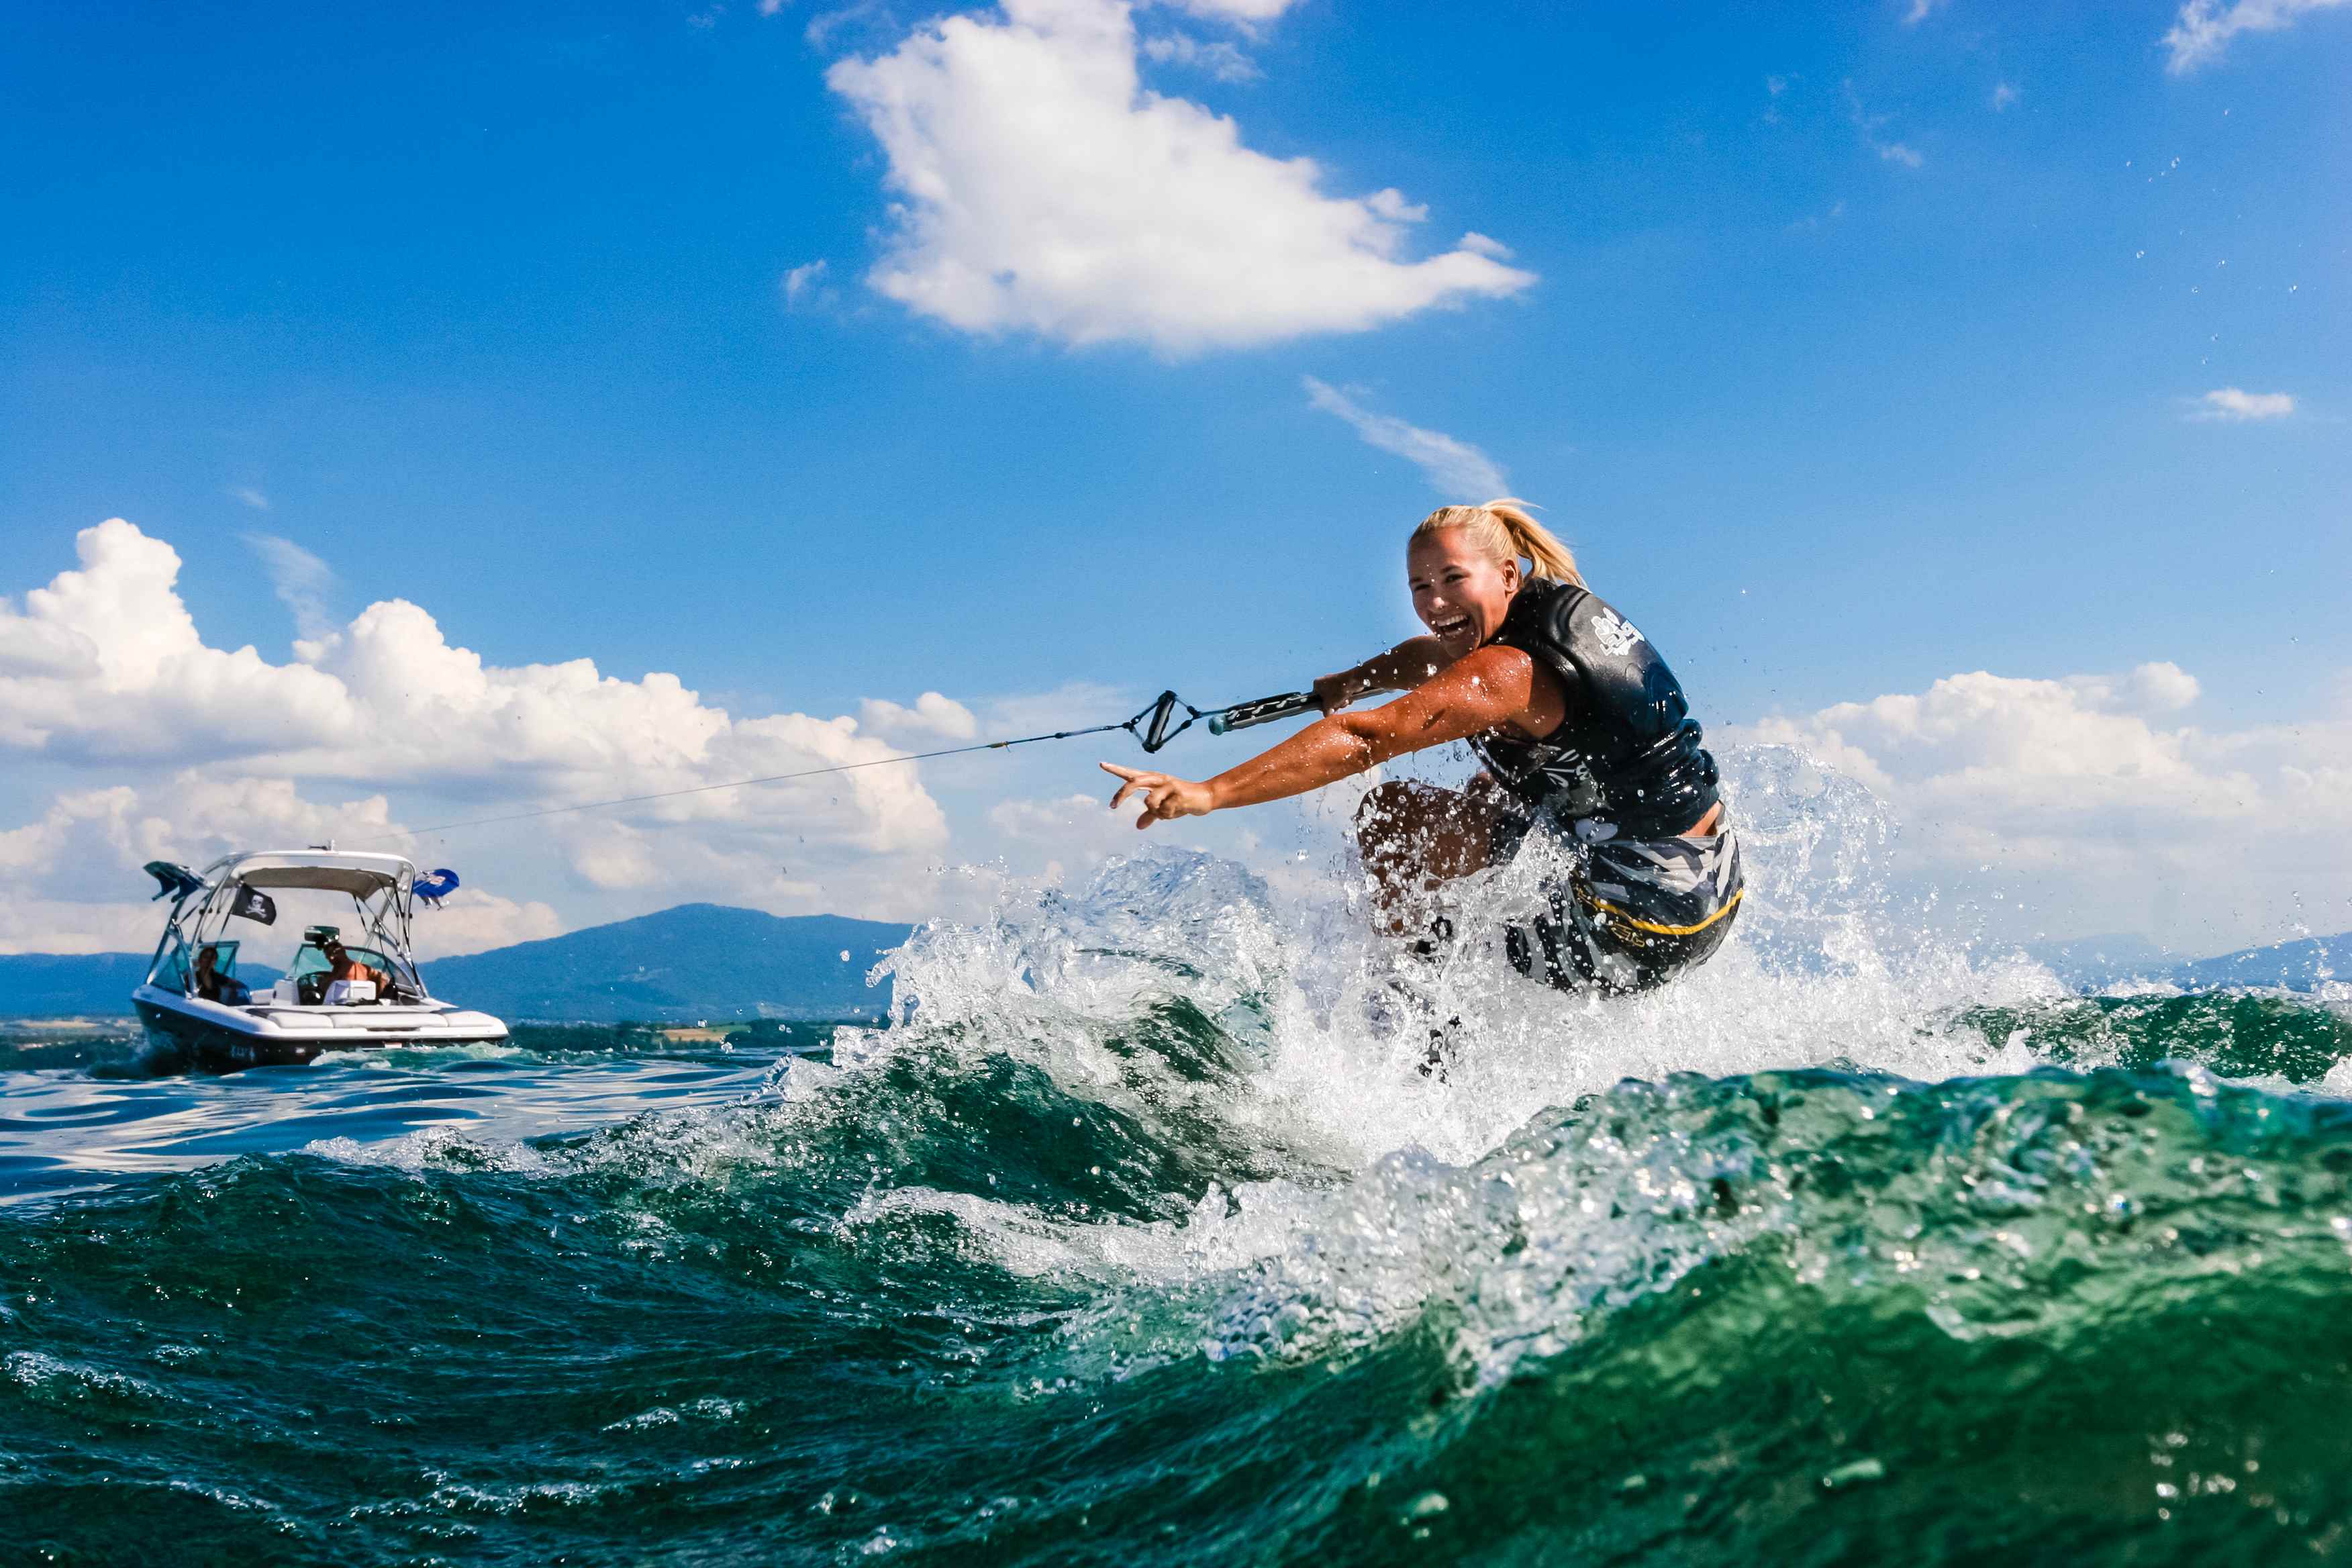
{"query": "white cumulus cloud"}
[(118, 671), (1042, 189), (2095, 805), (37, 645), (2230, 406), (1455, 468), (104, 671), (933, 718), (2203, 29)]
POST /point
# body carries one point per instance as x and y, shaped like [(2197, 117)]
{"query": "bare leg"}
[(1415, 838)]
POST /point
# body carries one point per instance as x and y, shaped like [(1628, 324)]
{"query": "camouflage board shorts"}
[(1629, 914)]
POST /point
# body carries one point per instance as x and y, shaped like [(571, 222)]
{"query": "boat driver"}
[(341, 965)]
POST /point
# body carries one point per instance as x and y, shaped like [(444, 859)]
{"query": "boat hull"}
[(220, 1039)]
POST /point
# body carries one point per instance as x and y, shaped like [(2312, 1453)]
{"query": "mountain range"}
[(708, 962), (680, 965), (2302, 965), (2087, 962)]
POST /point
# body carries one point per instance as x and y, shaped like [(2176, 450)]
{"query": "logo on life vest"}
[(1614, 633)]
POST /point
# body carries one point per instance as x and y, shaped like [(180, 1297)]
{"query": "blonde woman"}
[(1584, 734)]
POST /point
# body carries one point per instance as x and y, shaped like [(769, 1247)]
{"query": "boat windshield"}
[(311, 967), (171, 972), (309, 961)]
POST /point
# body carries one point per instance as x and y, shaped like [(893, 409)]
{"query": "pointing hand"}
[(1165, 798)]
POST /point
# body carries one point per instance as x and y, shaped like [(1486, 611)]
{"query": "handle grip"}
[(1265, 711)]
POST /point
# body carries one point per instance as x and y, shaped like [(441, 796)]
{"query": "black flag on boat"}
[(254, 906)]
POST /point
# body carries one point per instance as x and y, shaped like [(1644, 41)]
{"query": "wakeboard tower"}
[(193, 1005)]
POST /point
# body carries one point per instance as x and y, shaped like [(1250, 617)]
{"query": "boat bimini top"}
[(382, 888), (332, 871)]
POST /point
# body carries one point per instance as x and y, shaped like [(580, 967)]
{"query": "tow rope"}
[(1153, 727)]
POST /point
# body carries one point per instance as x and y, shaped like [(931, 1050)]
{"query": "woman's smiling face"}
[(1460, 593)]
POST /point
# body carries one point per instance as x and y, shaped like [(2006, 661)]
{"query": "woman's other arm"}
[(1400, 668)]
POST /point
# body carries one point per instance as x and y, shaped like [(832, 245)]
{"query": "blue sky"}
[(1854, 349)]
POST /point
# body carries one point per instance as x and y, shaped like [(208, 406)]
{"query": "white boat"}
[(194, 1003)]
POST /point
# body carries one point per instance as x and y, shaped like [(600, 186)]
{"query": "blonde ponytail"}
[(1506, 532)]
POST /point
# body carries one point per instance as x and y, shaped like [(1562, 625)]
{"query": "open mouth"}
[(1452, 627)]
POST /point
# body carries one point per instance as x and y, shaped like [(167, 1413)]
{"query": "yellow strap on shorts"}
[(1729, 904)]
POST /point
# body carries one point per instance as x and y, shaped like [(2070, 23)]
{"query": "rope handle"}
[(1265, 711)]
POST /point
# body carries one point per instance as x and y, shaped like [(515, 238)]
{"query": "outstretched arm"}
[(1491, 688)]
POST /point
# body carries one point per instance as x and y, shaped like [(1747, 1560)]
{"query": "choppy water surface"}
[(1139, 1239)]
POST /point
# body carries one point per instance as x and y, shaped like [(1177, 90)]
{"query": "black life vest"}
[(1626, 762)]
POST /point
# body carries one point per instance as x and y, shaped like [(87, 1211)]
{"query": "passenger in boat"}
[(209, 984), (1587, 741)]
